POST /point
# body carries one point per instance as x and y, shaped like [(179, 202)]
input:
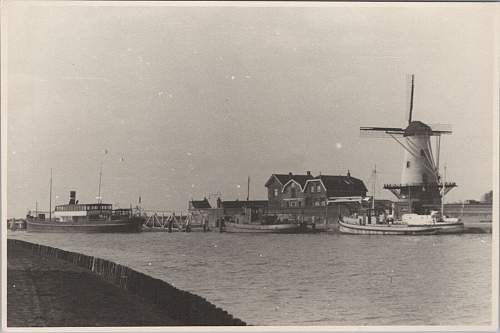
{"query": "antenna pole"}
[(409, 199), (438, 152), (50, 197), (442, 193), (100, 178), (411, 97), (374, 184), (248, 188)]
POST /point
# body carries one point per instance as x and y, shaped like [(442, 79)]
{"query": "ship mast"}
[(100, 178), (50, 196), (442, 191), (374, 185), (248, 188)]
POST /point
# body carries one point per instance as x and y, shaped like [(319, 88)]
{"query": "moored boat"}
[(261, 228), (385, 229), (360, 218), (85, 218), (265, 224), (410, 224)]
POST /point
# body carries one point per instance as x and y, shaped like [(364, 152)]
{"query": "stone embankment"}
[(52, 287)]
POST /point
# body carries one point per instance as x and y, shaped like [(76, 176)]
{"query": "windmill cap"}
[(417, 128)]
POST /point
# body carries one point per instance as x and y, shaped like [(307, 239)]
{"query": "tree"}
[(488, 197)]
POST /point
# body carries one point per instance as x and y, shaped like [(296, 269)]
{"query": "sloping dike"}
[(50, 287)]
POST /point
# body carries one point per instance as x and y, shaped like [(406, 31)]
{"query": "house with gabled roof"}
[(321, 189), (285, 190), (300, 191)]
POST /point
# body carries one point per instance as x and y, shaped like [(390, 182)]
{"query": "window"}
[(318, 188), (275, 192), (407, 164), (293, 192), (312, 188)]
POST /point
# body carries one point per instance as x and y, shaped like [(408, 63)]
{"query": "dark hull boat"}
[(85, 218)]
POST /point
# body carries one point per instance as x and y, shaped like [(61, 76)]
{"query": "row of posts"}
[(188, 308)]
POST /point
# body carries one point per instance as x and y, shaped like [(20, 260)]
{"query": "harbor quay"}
[(477, 218), (50, 287)]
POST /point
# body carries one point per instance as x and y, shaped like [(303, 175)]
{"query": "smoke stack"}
[(72, 197)]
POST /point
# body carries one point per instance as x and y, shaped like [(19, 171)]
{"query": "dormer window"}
[(318, 188), (312, 188), (275, 192)]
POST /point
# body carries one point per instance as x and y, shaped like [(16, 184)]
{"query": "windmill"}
[(421, 184)]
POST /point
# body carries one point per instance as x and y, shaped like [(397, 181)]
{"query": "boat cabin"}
[(74, 211), (77, 211)]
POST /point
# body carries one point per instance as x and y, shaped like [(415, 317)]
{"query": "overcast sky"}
[(192, 100)]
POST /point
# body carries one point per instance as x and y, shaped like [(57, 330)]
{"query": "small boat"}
[(261, 228), (385, 229), (265, 224), (410, 224), (85, 218)]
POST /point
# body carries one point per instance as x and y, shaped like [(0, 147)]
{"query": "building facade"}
[(305, 191)]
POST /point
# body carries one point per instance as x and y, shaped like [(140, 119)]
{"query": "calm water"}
[(316, 279)]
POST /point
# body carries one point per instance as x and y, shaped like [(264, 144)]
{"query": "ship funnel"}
[(72, 197)]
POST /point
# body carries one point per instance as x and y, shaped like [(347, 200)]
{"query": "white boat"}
[(384, 229), (410, 224)]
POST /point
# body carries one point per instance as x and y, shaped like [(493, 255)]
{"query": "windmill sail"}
[(380, 132)]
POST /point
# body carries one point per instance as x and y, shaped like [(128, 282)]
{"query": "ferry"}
[(85, 218)]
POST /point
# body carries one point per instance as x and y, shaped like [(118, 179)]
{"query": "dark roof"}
[(244, 203), (201, 203), (342, 183), (285, 178), (417, 128)]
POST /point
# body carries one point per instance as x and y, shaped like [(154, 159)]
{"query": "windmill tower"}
[(421, 187)]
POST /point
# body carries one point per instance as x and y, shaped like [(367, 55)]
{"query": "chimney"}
[(308, 173), (219, 203), (290, 175), (72, 197), (348, 173)]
